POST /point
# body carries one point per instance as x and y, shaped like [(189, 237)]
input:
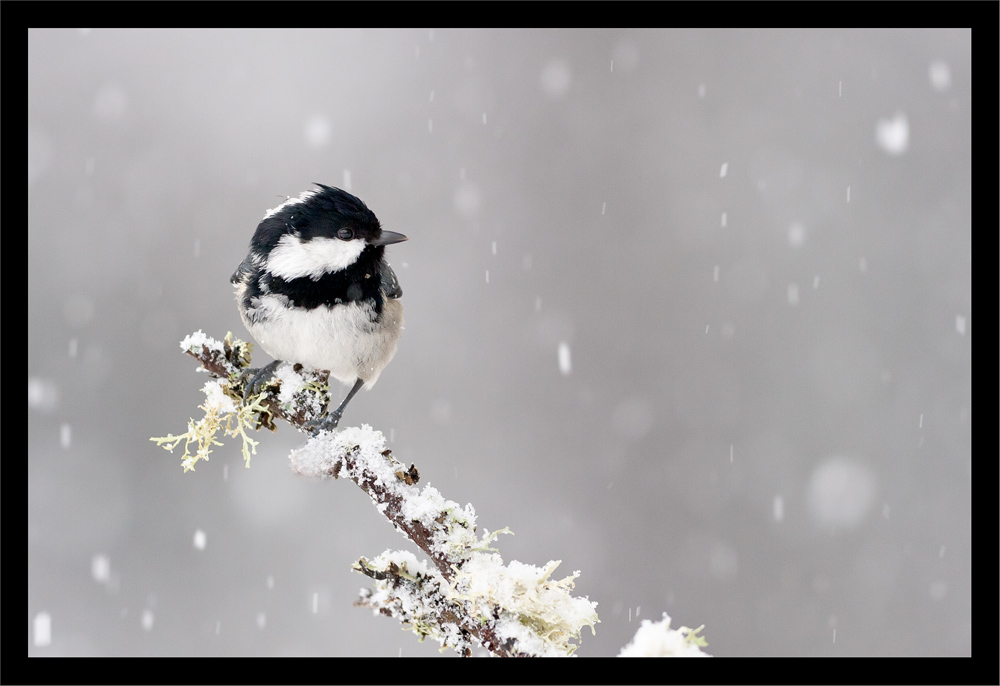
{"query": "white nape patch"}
[(293, 258), (303, 196)]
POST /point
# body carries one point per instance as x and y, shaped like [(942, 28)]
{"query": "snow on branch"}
[(296, 395), (657, 639), (467, 595)]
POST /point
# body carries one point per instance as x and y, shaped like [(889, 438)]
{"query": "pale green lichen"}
[(537, 614), (221, 412), (525, 596), (224, 407)]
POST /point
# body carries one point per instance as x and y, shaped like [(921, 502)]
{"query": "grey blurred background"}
[(687, 310)]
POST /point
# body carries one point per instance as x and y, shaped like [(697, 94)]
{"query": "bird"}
[(315, 289)]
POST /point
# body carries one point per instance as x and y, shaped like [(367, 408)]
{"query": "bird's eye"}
[(345, 234)]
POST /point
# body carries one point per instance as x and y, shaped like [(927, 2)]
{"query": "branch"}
[(229, 359), (295, 394), (468, 594)]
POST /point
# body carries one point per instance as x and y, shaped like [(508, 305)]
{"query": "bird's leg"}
[(330, 421)]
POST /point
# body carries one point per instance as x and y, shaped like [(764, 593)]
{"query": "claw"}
[(320, 424), (259, 380), (330, 420)]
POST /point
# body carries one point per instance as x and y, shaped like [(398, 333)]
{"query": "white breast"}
[(344, 339)]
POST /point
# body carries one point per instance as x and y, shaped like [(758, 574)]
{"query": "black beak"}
[(387, 238)]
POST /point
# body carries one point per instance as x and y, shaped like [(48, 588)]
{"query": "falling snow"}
[(564, 362), (893, 135), (42, 629), (940, 75), (111, 104), (793, 294), (840, 492), (317, 131), (100, 568), (796, 235), (555, 79), (43, 394)]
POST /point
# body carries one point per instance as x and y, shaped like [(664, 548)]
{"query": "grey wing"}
[(390, 284), (245, 268)]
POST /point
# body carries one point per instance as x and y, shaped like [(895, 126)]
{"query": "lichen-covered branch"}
[(468, 594), (409, 591), (288, 398), (296, 395)]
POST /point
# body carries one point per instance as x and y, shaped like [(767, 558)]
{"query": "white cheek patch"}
[(292, 258)]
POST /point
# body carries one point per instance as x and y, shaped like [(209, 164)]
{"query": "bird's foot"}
[(259, 378), (327, 422)]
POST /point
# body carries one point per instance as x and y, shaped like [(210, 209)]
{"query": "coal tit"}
[(316, 289)]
